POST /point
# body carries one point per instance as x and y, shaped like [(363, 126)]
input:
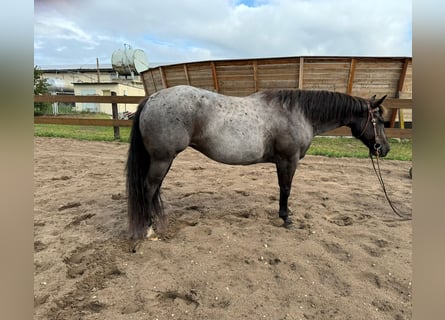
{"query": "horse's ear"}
[(379, 102), (373, 98)]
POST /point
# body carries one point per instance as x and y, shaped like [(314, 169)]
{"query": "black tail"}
[(141, 209)]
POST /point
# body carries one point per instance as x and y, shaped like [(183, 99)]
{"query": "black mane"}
[(317, 105)]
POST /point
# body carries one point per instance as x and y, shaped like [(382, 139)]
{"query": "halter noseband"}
[(371, 118)]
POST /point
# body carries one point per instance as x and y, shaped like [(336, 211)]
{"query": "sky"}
[(178, 31)]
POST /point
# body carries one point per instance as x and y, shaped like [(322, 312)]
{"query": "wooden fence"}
[(113, 99), (357, 76), (392, 104)]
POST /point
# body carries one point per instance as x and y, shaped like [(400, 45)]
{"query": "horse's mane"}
[(316, 105)]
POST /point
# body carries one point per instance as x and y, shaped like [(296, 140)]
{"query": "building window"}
[(89, 107)]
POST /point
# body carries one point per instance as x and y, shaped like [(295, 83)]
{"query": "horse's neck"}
[(320, 127), (327, 122)]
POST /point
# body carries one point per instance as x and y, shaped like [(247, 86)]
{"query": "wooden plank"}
[(378, 77), (233, 63), (163, 79), (201, 76), (154, 82), (198, 67), (242, 86), (301, 73), (327, 67), (237, 92), (240, 77), (278, 84), (246, 73), (214, 76), (391, 103), (234, 67), (289, 68), (276, 61), (83, 122), (351, 75), (144, 77), (394, 64), (326, 77), (312, 59), (328, 87), (186, 72), (255, 74), (95, 99), (407, 88), (399, 90), (117, 134), (175, 76), (392, 118)]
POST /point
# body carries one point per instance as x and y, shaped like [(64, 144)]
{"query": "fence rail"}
[(83, 121), (91, 99), (393, 104)]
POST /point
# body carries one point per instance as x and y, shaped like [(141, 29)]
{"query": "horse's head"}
[(370, 128)]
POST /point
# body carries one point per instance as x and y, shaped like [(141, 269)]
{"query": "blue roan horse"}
[(274, 126)]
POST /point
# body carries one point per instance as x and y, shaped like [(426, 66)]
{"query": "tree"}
[(40, 87)]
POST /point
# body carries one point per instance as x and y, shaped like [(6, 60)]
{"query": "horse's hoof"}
[(288, 224)]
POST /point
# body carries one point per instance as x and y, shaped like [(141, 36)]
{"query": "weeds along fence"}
[(114, 100)]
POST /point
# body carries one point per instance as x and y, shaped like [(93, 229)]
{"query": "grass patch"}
[(91, 133), (401, 149)]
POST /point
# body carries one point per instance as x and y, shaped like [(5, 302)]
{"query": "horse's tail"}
[(140, 208)]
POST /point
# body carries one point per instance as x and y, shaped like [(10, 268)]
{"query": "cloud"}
[(190, 30)]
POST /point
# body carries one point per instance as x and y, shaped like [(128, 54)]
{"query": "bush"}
[(40, 87)]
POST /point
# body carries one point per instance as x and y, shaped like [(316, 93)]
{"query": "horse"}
[(271, 126)]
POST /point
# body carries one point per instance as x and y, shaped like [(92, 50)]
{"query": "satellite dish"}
[(140, 61), (129, 61)]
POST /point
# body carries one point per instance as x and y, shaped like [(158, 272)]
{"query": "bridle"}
[(377, 148), (372, 119)]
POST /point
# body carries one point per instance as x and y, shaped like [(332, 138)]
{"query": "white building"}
[(91, 80)]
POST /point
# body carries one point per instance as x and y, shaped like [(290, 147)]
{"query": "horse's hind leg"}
[(157, 172)]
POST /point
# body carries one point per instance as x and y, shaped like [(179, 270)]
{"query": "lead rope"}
[(378, 173)]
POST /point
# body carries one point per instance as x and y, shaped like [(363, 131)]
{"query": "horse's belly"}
[(232, 147), (232, 131), (238, 153)]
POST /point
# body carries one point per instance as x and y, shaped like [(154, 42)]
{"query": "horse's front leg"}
[(285, 170)]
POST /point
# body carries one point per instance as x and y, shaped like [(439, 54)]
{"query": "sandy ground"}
[(225, 255)]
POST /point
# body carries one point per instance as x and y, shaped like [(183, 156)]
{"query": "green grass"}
[(401, 149), (90, 133)]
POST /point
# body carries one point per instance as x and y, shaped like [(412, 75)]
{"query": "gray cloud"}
[(76, 32)]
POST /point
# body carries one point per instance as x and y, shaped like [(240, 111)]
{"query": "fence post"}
[(117, 134)]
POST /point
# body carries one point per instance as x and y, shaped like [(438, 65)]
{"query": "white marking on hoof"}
[(151, 235)]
